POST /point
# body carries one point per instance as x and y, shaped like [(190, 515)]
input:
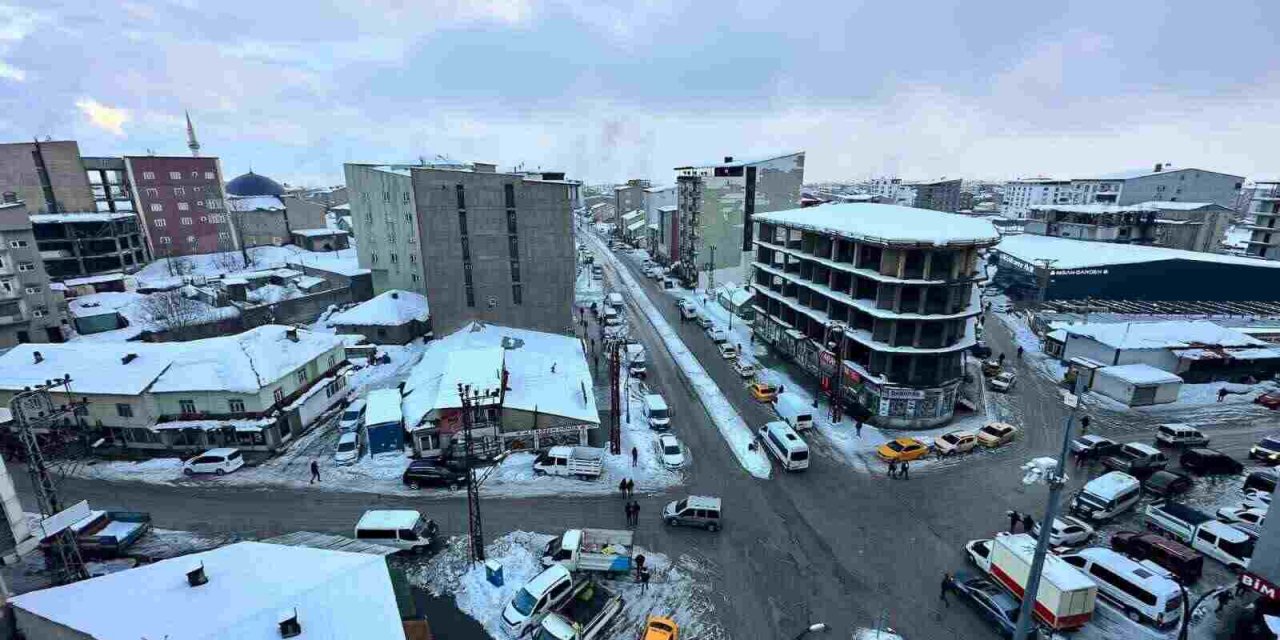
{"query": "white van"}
[(614, 300), (1180, 435), (786, 445), (1139, 591), (797, 412), (538, 597), (352, 417), (1107, 496), (659, 415), (404, 529), (611, 317), (215, 461)]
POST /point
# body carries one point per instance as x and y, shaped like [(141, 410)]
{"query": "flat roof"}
[(1141, 207), (1142, 173), (886, 223), (1080, 254), (82, 216), (1165, 334), (741, 163), (1140, 374), (389, 519)]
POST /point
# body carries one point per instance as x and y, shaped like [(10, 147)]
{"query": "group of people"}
[(627, 487), (1024, 519), (900, 469), (642, 572)]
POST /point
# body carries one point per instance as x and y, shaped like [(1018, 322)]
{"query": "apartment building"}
[(877, 301), (74, 245), (182, 204), (385, 223), (48, 176), (939, 195), (1020, 195), (30, 310), (1163, 183), (655, 200), (1264, 209), (109, 181), (717, 203), (1191, 226), (627, 199)]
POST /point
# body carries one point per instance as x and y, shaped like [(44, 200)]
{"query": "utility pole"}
[(711, 270), (1056, 479), (34, 408), (837, 385), (615, 397), (475, 406)]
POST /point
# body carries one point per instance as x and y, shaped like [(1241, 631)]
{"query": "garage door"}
[(1144, 395)]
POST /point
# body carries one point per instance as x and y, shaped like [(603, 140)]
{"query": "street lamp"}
[(817, 627)]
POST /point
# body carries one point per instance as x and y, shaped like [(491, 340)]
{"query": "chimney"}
[(289, 625), (728, 159), (196, 576), (1159, 167), (291, 333), (395, 295), (128, 357), (39, 358)]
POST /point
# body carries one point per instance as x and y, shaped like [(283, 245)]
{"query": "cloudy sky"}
[(971, 88)]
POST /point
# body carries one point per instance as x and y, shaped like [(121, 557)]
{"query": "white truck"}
[(604, 550), (1201, 532), (636, 360), (581, 462), (585, 616), (1066, 597)]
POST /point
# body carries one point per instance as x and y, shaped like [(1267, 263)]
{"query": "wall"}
[(386, 223), (1077, 346), (262, 228), (664, 197), (198, 188), (304, 214), (1169, 280), (38, 628), (20, 309), (67, 176), (1187, 185)]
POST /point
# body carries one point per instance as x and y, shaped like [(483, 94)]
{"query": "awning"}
[(631, 215), (635, 226)]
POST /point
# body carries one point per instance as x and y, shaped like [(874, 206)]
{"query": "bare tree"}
[(172, 311)]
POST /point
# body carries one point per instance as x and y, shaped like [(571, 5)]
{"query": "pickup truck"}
[(1201, 532), (582, 462), (108, 534), (585, 616), (607, 550)]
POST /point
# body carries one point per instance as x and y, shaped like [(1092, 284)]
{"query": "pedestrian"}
[(622, 487), (644, 580), (1019, 351), (1224, 597), (1000, 360), (639, 560), (857, 427), (1084, 425), (315, 472), (947, 583), (905, 472), (1079, 458), (626, 508), (631, 488), (635, 514), (1222, 393), (893, 468), (1027, 523), (1014, 518), (635, 456)]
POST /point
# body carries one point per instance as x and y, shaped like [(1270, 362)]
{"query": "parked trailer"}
[(585, 616), (1065, 597), (608, 550)]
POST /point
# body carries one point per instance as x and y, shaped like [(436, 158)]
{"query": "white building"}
[(1264, 210), (250, 590), (1196, 350), (1020, 195), (1163, 182)]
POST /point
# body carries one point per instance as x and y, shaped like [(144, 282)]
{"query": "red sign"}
[(827, 360), (1268, 590)]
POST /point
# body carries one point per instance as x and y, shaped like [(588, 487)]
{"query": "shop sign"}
[(899, 393)]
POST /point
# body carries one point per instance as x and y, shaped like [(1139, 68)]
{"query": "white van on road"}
[(1137, 590), (1107, 496), (215, 461), (352, 416), (786, 445), (404, 529), (796, 412), (656, 409)]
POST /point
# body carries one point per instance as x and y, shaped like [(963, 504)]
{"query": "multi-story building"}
[(1162, 183), (109, 180), (655, 198), (716, 204), (885, 291), (84, 244), (30, 310), (48, 176), (385, 223), (497, 247), (262, 216), (939, 195), (1022, 194), (1191, 226), (1264, 235), (886, 188), (182, 204), (628, 198)]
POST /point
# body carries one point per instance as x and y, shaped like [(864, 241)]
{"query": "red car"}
[(1269, 400)]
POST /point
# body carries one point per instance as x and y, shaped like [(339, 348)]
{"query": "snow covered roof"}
[(388, 309), (634, 213), (1142, 173), (95, 368), (886, 223), (54, 218), (1163, 335), (476, 355), (743, 162), (1148, 206), (106, 277), (635, 225), (1139, 374), (255, 203), (250, 586), (1081, 254), (318, 233), (244, 362), (389, 519)]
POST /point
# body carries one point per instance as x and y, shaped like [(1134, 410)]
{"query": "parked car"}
[(352, 416), (702, 319), (1209, 461), (422, 473), (348, 449), (1091, 446), (990, 601), (660, 628), (1106, 496), (1180, 435), (902, 450), (1262, 480), (955, 442), (216, 461), (728, 351), (744, 368), (763, 391), (538, 597), (990, 367), (717, 335), (1242, 514), (1067, 531), (1135, 458), (996, 434), (687, 310), (671, 450), (1267, 450), (1257, 499), (1167, 484), (1269, 400), (980, 349), (1003, 381), (979, 553), (693, 511)]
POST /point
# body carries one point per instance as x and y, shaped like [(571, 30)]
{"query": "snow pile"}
[(388, 309), (1038, 470), (873, 634), (731, 425), (167, 273)]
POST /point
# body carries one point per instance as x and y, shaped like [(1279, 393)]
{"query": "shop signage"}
[(1259, 585), (898, 393)]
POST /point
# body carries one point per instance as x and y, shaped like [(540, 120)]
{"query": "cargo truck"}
[(607, 550), (1065, 598)]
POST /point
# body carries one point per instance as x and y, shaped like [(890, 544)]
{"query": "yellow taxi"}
[(763, 391), (660, 628), (903, 450)]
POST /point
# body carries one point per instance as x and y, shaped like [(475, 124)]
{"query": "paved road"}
[(829, 544)]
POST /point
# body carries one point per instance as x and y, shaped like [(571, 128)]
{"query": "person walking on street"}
[(644, 580), (631, 488), (627, 509), (639, 560), (947, 583), (1019, 351), (1014, 518), (893, 468), (635, 456), (1027, 523), (857, 427), (1224, 597), (1222, 393), (1000, 360), (635, 513), (906, 470), (1084, 425), (315, 472), (622, 487)]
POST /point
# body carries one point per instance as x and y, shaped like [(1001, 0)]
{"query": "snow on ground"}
[(1045, 365), (874, 634), (166, 273), (674, 589), (142, 313), (587, 289), (732, 428)]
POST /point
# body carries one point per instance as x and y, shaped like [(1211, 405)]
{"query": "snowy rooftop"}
[(342, 207), (1080, 254), (1142, 173), (886, 223), (52, 218), (736, 162), (1151, 205), (318, 233), (96, 368), (106, 277), (1163, 335), (336, 594), (476, 354), (388, 309), (255, 203), (1140, 374)]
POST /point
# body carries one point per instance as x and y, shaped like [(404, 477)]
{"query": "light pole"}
[(818, 627)]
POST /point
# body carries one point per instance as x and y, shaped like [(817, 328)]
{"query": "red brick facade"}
[(181, 203)]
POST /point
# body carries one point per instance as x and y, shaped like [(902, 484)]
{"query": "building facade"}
[(30, 311), (938, 195), (879, 309), (655, 198), (1264, 209), (1191, 226), (385, 223), (1020, 195), (1162, 183), (716, 204), (48, 176), (75, 245), (627, 198), (182, 205), (109, 180)]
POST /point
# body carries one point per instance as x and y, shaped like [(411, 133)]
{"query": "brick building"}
[(182, 205), (48, 176)]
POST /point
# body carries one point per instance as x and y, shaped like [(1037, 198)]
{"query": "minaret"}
[(192, 143)]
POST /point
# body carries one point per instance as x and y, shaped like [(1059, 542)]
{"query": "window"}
[(160, 222), (179, 191), (39, 313), (148, 175), (124, 410), (405, 198), (331, 361), (224, 236), (413, 258), (386, 196), (301, 376), (395, 259), (191, 239), (416, 278), (17, 244), (235, 405), (166, 240), (195, 174), (185, 221), (26, 266), (187, 406), (278, 395), (515, 271), (33, 289), (152, 192), (156, 206), (515, 294), (208, 175), (175, 175), (182, 206)]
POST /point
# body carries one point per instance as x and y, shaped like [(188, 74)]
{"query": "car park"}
[(902, 450), (216, 461), (991, 602), (1091, 446), (996, 434), (955, 442), (763, 391), (1136, 458), (1180, 435), (1067, 531), (1003, 381), (1269, 400), (1209, 462), (694, 511), (671, 450), (1266, 450), (1167, 483), (348, 449), (422, 473)]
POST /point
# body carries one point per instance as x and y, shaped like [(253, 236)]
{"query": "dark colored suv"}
[(424, 473), (1210, 461)]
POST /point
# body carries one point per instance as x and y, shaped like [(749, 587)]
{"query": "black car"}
[(424, 473), (1263, 480), (1167, 483), (1094, 446), (989, 600), (1210, 461), (980, 350)]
